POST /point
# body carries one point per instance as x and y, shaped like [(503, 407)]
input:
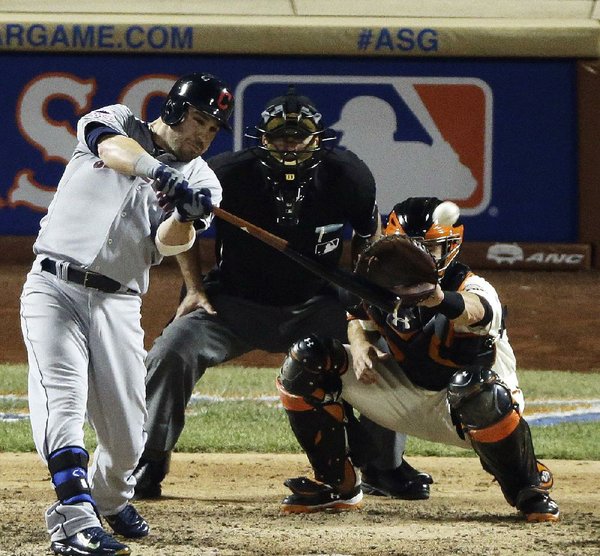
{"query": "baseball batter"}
[(442, 370), (80, 306)]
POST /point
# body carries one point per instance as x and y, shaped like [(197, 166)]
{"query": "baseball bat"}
[(363, 288)]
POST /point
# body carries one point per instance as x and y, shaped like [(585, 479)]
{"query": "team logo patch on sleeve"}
[(104, 117)]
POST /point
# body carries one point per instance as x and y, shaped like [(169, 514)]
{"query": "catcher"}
[(439, 367)]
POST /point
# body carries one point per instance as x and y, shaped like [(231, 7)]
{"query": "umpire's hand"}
[(194, 299)]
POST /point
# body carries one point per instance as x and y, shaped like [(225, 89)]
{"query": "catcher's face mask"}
[(431, 222)]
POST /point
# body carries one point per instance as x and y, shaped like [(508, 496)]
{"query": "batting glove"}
[(168, 205), (196, 204), (170, 182)]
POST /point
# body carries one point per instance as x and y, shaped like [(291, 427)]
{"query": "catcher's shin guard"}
[(320, 430), (68, 468), (485, 410), (309, 387)]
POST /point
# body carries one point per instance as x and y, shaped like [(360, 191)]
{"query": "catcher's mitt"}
[(397, 264)]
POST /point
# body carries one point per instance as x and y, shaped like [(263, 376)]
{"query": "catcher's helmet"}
[(204, 92), (432, 222)]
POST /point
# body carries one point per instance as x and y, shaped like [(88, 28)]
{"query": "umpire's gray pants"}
[(191, 344)]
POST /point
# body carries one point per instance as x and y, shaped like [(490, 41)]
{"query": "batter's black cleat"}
[(537, 506), (94, 540), (149, 475), (128, 523), (404, 482), (309, 496)]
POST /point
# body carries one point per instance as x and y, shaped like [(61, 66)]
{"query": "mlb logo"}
[(420, 136)]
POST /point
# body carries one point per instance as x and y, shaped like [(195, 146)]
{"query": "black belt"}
[(70, 273)]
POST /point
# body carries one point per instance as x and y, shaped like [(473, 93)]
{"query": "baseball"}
[(446, 213)]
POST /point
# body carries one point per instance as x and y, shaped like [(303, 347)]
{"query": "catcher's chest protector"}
[(425, 343)]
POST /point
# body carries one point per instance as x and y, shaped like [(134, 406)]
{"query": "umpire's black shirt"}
[(342, 192)]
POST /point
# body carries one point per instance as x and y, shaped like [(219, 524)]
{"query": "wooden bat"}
[(363, 288)]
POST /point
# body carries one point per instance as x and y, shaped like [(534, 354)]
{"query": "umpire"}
[(256, 297)]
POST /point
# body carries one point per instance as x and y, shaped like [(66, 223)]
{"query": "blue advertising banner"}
[(499, 137)]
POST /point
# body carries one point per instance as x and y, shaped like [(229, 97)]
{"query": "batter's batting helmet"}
[(204, 92), (432, 222)]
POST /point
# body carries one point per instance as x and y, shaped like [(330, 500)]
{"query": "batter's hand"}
[(164, 202), (365, 358), (170, 183), (194, 205), (192, 301)]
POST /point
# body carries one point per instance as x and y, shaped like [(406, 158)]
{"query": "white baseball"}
[(446, 213)]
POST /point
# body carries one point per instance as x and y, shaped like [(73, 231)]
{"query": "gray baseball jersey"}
[(106, 221), (85, 345)]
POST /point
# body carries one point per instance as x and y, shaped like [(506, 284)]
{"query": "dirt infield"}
[(552, 316), (228, 504), (223, 505)]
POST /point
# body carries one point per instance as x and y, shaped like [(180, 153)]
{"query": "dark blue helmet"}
[(203, 91)]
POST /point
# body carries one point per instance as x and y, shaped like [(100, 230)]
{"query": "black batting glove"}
[(196, 204), (170, 182)]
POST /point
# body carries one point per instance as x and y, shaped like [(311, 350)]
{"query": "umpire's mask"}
[(290, 137)]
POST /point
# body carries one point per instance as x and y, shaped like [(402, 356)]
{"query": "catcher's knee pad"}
[(314, 363), (482, 404), (68, 468)]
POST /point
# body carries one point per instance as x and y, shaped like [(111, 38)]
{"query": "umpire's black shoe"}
[(404, 482), (94, 540), (128, 523), (149, 474)]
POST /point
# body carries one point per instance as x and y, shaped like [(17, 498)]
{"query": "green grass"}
[(261, 426), (540, 385), (13, 379)]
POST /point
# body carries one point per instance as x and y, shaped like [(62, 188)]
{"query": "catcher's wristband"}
[(452, 306)]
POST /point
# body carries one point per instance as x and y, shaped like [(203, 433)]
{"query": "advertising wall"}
[(497, 136)]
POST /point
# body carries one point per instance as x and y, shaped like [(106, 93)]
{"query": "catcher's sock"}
[(309, 496)]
